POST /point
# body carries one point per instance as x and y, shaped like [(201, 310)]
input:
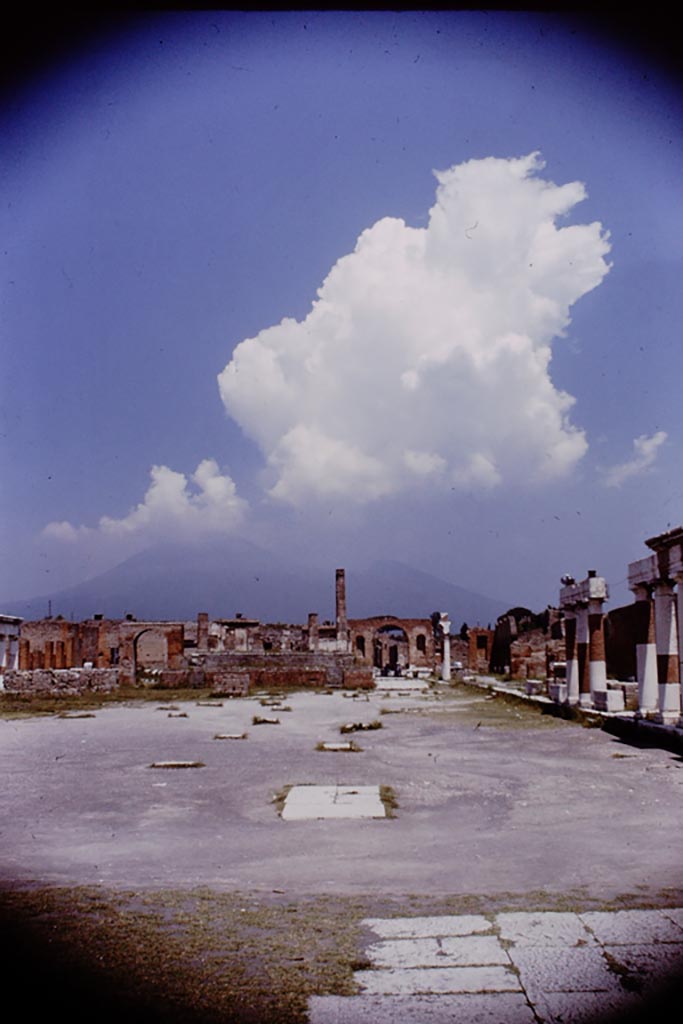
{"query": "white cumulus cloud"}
[(645, 451), (424, 360), (171, 507)]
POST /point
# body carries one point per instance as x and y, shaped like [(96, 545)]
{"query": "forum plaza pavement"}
[(489, 863)]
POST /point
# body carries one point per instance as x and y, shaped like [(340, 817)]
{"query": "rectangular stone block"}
[(449, 951), (546, 928), (489, 1008), (312, 802), (408, 927), (628, 927), (437, 980)]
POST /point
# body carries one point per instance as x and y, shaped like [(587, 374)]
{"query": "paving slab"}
[(436, 980), (408, 927), (312, 802), (571, 970), (547, 928), (585, 1007), (652, 965), (450, 951), (675, 914), (489, 1008), (626, 927)]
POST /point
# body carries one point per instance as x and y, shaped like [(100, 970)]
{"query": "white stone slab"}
[(400, 683), (626, 927), (586, 1007), (571, 970), (416, 927), (674, 914), (489, 1008), (312, 802), (547, 928), (438, 979), (451, 951), (651, 965)]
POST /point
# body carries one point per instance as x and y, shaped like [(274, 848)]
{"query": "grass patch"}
[(15, 705), (199, 956)]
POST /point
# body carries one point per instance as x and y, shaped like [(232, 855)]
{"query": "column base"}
[(585, 700), (666, 717)]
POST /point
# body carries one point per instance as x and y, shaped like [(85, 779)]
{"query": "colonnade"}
[(9, 643), (586, 671), (657, 586)]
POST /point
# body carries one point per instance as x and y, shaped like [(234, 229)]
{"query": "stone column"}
[(583, 655), (4, 652), (203, 631), (24, 654), (445, 624), (313, 634), (572, 661), (679, 594), (597, 669), (340, 595), (646, 650), (669, 710), (60, 657), (49, 654)]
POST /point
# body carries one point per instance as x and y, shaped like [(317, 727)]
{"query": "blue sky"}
[(177, 186)]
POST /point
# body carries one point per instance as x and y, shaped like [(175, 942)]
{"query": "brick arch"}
[(172, 634), (418, 633)]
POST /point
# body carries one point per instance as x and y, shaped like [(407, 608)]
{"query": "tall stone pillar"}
[(571, 658), (202, 631), (445, 624), (313, 634), (583, 655), (597, 669), (60, 654), (679, 592), (49, 654), (669, 709), (646, 650), (24, 654), (340, 596)]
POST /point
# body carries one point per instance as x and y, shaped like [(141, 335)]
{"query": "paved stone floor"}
[(510, 968)]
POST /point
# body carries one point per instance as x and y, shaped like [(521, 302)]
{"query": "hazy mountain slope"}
[(176, 582)]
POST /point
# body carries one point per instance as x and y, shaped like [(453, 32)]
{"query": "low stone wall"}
[(289, 671), (61, 682)]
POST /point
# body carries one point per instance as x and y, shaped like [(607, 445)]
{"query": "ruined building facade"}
[(230, 655)]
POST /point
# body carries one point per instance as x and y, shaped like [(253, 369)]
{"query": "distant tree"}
[(464, 631), (435, 619)]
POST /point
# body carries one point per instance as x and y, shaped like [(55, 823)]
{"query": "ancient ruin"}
[(229, 655)]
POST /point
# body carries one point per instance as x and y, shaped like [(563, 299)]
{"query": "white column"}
[(646, 651), (583, 655), (572, 661), (669, 710), (597, 670), (446, 664)]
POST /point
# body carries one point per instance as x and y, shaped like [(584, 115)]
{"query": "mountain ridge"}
[(176, 582)]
